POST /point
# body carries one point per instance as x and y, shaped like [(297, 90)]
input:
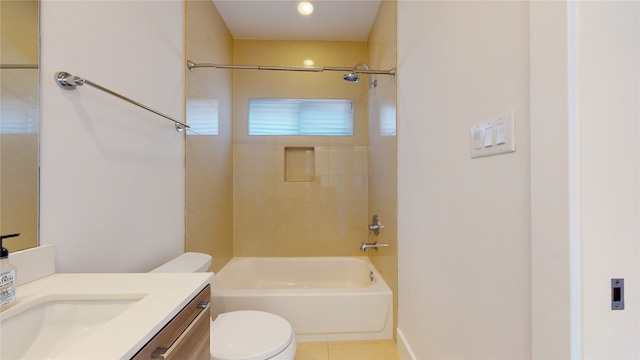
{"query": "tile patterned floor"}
[(347, 350)]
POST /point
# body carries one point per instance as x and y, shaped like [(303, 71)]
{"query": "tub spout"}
[(374, 245)]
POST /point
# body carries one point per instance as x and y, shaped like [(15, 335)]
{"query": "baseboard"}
[(403, 347)]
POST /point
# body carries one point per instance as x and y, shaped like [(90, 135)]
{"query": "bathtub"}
[(324, 298)]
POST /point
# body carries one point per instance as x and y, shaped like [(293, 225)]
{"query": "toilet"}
[(240, 335)]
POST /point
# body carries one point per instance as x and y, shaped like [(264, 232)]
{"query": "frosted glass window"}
[(387, 120), (202, 116), (308, 117)]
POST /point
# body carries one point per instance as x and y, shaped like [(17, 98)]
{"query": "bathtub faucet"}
[(374, 245)]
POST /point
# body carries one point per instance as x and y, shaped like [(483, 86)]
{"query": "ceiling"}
[(331, 20)]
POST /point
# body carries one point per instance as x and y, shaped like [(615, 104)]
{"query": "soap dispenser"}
[(7, 276)]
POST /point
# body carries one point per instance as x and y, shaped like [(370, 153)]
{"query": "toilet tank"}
[(186, 263)]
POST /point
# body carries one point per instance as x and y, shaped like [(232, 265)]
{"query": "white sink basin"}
[(47, 329)]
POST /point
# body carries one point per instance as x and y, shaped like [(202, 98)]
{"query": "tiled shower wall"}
[(209, 170), (383, 174), (325, 216)]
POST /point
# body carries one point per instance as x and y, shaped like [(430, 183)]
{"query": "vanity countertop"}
[(162, 296)]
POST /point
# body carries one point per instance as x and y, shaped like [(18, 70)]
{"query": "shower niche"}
[(299, 164)]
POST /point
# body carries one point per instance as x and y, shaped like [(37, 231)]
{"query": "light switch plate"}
[(498, 136)]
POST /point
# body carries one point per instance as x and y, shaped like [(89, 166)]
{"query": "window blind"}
[(307, 117), (202, 117)]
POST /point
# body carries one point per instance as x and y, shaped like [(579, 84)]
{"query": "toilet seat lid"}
[(249, 335)]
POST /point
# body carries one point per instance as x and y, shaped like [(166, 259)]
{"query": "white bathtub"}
[(324, 298)]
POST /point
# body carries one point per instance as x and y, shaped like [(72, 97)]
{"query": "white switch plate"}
[(497, 136)]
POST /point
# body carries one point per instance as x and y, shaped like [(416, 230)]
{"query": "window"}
[(306, 117), (202, 117), (388, 120)]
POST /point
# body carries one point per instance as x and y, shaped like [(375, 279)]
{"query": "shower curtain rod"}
[(70, 82), (192, 65)]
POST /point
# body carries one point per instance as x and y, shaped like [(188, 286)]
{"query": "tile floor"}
[(347, 350)]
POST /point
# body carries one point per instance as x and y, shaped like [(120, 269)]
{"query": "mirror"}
[(19, 124)]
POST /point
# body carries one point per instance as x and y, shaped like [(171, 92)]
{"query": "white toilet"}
[(240, 335)]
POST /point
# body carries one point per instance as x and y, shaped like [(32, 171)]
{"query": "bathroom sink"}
[(47, 329)]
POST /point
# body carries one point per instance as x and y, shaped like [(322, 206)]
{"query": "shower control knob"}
[(376, 225)]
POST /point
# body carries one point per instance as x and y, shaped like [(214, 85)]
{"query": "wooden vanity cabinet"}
[(186, 336)]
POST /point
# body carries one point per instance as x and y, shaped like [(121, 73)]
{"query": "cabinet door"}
[(186, 336)]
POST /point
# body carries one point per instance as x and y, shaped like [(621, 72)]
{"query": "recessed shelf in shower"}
[(299, 164)]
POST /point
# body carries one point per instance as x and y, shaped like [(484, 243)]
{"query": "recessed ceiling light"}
[(308, 62), (305, 8)]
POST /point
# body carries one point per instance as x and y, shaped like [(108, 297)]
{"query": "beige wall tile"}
[(322, 160), (209, 170), (253, 159), (250, 189), (295, 215), (382, 164)]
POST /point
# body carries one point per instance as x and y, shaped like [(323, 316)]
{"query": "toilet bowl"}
[(240, 335)]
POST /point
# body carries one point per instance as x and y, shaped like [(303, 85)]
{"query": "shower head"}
[(351, 77)]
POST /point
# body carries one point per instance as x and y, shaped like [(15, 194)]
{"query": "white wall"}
[(464, 245), (553, 209), (465, 226), (608, 77), (112, 174), (585, 101)]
